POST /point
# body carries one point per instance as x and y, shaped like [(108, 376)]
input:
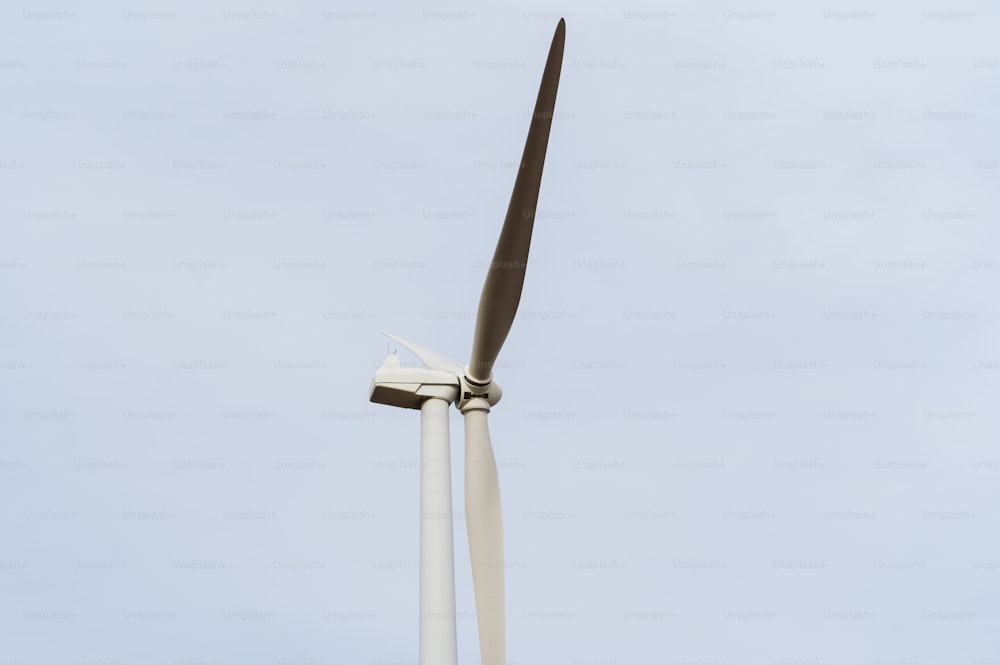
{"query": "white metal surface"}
[(438, 641)]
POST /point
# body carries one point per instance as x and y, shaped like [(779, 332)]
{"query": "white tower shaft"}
[(438, 640)]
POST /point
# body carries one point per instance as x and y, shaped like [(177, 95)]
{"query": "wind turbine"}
[(473, 390)]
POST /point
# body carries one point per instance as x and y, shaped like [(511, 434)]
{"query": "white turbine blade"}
[(505, 278), (430, 359), (484, 520)]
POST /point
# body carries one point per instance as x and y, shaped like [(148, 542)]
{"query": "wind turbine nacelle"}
[(408, 387)]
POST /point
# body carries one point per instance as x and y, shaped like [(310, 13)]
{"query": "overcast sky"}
[(749, 409)]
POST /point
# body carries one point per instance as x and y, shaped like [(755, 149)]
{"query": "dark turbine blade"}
[(502, 290)]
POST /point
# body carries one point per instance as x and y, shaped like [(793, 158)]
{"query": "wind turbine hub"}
[(474, 394)]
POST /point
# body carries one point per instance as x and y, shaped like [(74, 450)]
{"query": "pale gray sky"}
[(749, 412)]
